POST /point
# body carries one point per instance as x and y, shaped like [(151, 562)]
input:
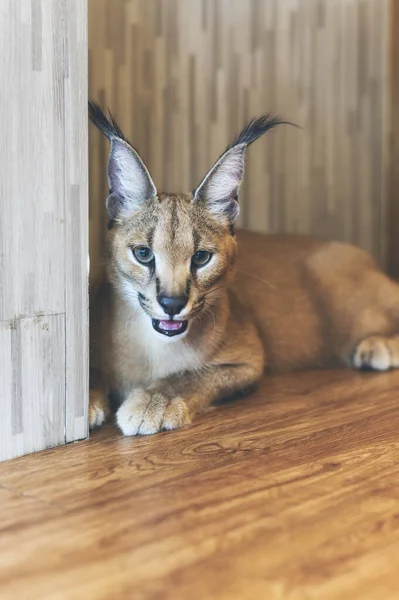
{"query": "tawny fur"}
[(282, 303)]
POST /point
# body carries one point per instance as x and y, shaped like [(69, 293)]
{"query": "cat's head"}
[(171, 254)]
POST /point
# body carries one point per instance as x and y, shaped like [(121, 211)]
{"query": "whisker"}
[(221, 287), (273, 287), (209, 312)]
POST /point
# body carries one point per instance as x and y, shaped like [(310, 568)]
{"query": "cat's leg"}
[(375, 329), (172, 402), (365, 322), (99, 409), (360, 307), (377, 353)]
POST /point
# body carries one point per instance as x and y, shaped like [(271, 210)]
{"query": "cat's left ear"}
[(219, 189)]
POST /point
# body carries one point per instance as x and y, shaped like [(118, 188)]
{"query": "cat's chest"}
[(139, 357)]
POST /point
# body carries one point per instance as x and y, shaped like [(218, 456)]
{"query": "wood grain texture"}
[(77, 222), (32, 157), (43, 218), (289, 493), (182, 77), (393, 189), (32, 384)]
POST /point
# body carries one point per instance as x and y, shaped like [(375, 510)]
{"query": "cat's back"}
[(286, 261)]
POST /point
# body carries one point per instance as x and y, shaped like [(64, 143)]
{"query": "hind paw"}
[(377, 353)]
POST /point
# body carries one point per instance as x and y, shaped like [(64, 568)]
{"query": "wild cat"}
[(183, 320)]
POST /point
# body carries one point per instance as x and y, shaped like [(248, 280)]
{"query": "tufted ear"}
[(129, 181), (220, 187)]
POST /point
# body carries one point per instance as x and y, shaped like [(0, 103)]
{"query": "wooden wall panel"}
[(393, 188), (76, 222), (32, 154), (32, 384), (182, 76), (43, 223)]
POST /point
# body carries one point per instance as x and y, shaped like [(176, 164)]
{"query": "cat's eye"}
[(201, 258), (143, 254)]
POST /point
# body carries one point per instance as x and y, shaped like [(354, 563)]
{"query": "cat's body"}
[(314, 301), (183, 321)]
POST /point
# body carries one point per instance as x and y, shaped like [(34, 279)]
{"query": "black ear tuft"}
[(256, 127), (130, 183), (220, 187), (109, 127)]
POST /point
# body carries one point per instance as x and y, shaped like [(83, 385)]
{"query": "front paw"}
[(98, 408), (146, 412)]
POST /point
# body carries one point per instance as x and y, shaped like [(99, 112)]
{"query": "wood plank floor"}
[(292, 493)]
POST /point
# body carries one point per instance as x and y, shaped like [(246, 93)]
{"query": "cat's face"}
[(172, 261), (170, 254)]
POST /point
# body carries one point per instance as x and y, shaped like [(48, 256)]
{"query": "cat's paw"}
[(377, 353), (145, 412), (98, 408)]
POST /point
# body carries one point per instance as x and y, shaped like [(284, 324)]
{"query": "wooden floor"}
[(292, 493)]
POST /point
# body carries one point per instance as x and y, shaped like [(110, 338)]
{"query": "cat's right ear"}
[(129, 181)]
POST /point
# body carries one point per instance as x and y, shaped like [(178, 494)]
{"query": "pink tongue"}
[(170, 325)]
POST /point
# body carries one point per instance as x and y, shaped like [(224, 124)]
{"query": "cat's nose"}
[(172, 305)]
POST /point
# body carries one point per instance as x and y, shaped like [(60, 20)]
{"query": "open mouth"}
[(170, 327)]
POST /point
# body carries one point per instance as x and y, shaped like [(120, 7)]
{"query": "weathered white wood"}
[(77, 207), (32, 220), (32, 384), (43, 224)]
